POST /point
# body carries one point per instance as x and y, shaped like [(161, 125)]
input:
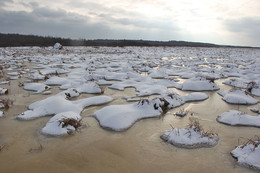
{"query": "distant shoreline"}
[(18, 40)]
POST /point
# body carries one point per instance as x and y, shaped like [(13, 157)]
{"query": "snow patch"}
[(189, 138), (248, 154), (234, 117), (237, 97)]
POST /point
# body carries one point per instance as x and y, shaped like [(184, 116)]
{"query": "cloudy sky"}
[(233, 22)]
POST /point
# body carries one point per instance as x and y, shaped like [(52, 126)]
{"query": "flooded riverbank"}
[(138, 149)]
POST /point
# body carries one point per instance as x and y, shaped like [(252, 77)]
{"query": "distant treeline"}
[(16, 40)]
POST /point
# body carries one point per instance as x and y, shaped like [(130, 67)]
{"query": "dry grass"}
[(70, 121), (68, 95), (255, 141), (250, 86), (2, 73), (211, 80), (182, 112), (143, 101), (163, 104), (6, 102), (21, 84), (2, 147), (195, 124)]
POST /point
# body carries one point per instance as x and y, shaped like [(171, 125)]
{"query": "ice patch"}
[(198, 84), (37, 87), (122, 117), (234, 117), (59, 103), (237, 97), (248, 154), (189, 138), (56, 127), (3, 91)]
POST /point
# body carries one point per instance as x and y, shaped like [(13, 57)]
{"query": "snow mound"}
[(37, 87), (189, 138), (62, 124), (255, 110), (198, 84), (122, 117), (59, 103), (248, 154), (237, 97), (89, 87), (3, 91), (237, 82), (36, 76), (57, 46), (145, 87), (55, 80), (196, 96), (4, 82), (234, 117)]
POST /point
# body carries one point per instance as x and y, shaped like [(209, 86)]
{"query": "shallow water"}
[(138, 149)]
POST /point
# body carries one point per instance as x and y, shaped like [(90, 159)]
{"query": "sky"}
[(228, 22)]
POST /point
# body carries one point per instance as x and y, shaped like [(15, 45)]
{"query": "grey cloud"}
[(247, 26), (246, 30), (244, 24), (143, 23), (111, 15), (3, 3), (30, 23), (71, 25), (45, 12)]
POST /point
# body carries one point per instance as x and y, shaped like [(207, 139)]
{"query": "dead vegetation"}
[(163, 104), (182, 112), (3, 91), (6, 103), (250, 86), (143, 101), (2, 73), (21, 84), (2, 147), (255, 141), (240, 89), (76, 123), (195, 125), (211, 80), (67, 94)]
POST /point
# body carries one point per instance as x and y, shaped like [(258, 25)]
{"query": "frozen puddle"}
[(122, 117), (150, 71)]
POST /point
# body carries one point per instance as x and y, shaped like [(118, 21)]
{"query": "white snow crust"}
[(248, 155), (189, 138), (234, 117)]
